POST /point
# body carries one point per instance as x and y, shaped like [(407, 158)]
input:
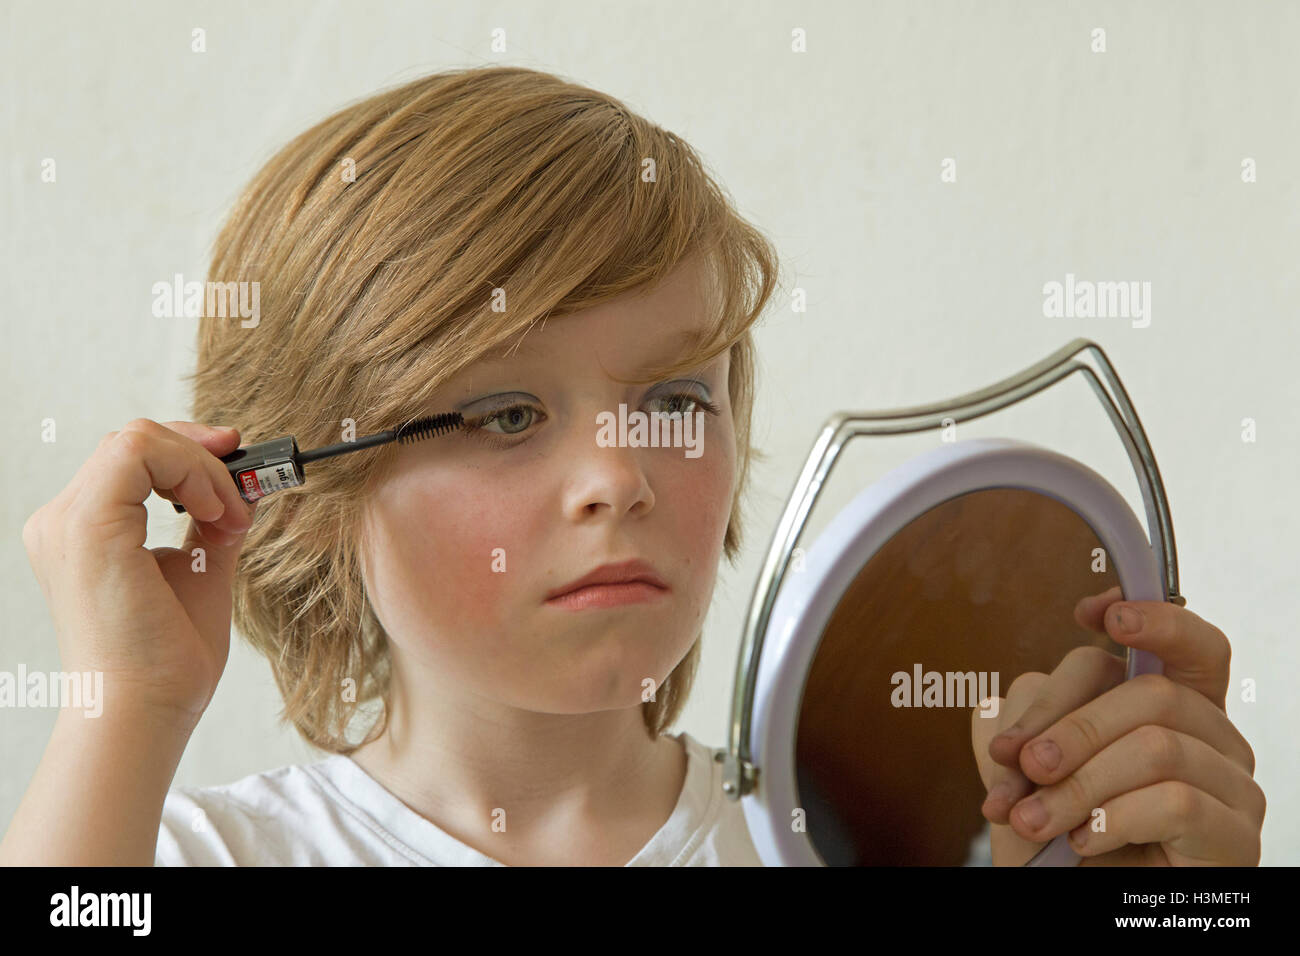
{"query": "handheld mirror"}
[(869, 658)]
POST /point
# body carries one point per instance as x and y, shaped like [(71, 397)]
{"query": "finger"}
[(1145, 756), (203, 534), (203, 585), (1193, 827), (1076, 738), (219, 441), (1083, 675), (129, 464), (1195, 653), (1004, 784), (1205, 657), (146, 455), (1090, 611), (1132, 854)]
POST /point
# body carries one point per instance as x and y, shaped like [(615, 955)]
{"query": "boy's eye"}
[(685, 403), (517, 418), (514, 419), (670, 404)]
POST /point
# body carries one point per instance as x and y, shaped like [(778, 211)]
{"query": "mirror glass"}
[(953, 608)]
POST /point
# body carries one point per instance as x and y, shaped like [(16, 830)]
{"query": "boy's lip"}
[(620, 572)]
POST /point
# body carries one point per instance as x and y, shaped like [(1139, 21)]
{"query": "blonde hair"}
[(376, 287)]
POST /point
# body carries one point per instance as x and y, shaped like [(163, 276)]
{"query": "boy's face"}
[(473, 530)]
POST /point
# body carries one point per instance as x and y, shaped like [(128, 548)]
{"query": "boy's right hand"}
[(155, 622)]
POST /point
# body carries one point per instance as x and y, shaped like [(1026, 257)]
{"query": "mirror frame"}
[(740, 768)]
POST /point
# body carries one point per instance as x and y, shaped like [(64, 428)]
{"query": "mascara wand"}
[(270, 466)]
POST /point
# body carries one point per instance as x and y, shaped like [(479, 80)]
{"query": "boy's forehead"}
[(622, 353), (644, 329)]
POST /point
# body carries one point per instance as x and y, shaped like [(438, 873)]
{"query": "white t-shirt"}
[(333, 813)]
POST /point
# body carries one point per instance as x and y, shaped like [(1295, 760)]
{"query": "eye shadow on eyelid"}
[(496, 401), (503, 399)]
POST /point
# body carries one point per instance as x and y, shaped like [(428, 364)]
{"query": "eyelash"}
[(475, 427)]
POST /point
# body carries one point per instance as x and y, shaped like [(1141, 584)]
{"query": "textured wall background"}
[(1125, 165)]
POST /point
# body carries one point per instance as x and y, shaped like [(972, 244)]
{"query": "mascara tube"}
[(267, 467)]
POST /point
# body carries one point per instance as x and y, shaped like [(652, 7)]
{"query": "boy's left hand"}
[(1157, 754)]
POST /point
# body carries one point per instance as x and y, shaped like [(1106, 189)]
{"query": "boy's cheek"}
[(706, 502), (484, 583), (462, 576)]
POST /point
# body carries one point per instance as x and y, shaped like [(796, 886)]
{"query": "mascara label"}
[(259, 482)]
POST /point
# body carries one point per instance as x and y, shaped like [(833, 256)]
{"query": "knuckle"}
[(134, 441), (1162, 614), (32, 531), (1168, 698), (1033, 715), (1164, 622), (1161, 692), (1182, 803), (1222, 650), (1076, 791), (1163, 749), (1261, 803), (1085, 726), (141, 425)]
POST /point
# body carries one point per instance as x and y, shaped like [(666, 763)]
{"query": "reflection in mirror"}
[(960, 602)]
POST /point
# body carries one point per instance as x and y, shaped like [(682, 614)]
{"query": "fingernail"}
[(1047, 754), (997, 804), (1000, 794), (1032, 813), (1011, 731), (1129, 620), (223, 539), (1079, 835)]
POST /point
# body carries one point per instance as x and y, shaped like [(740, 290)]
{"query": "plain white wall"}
[(1117, 165)]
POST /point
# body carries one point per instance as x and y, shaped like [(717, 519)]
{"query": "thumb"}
[(1008, 848), (217, 542), (214, 547), (202, 572)]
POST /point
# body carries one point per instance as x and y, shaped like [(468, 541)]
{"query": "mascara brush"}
[(270, 466)]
